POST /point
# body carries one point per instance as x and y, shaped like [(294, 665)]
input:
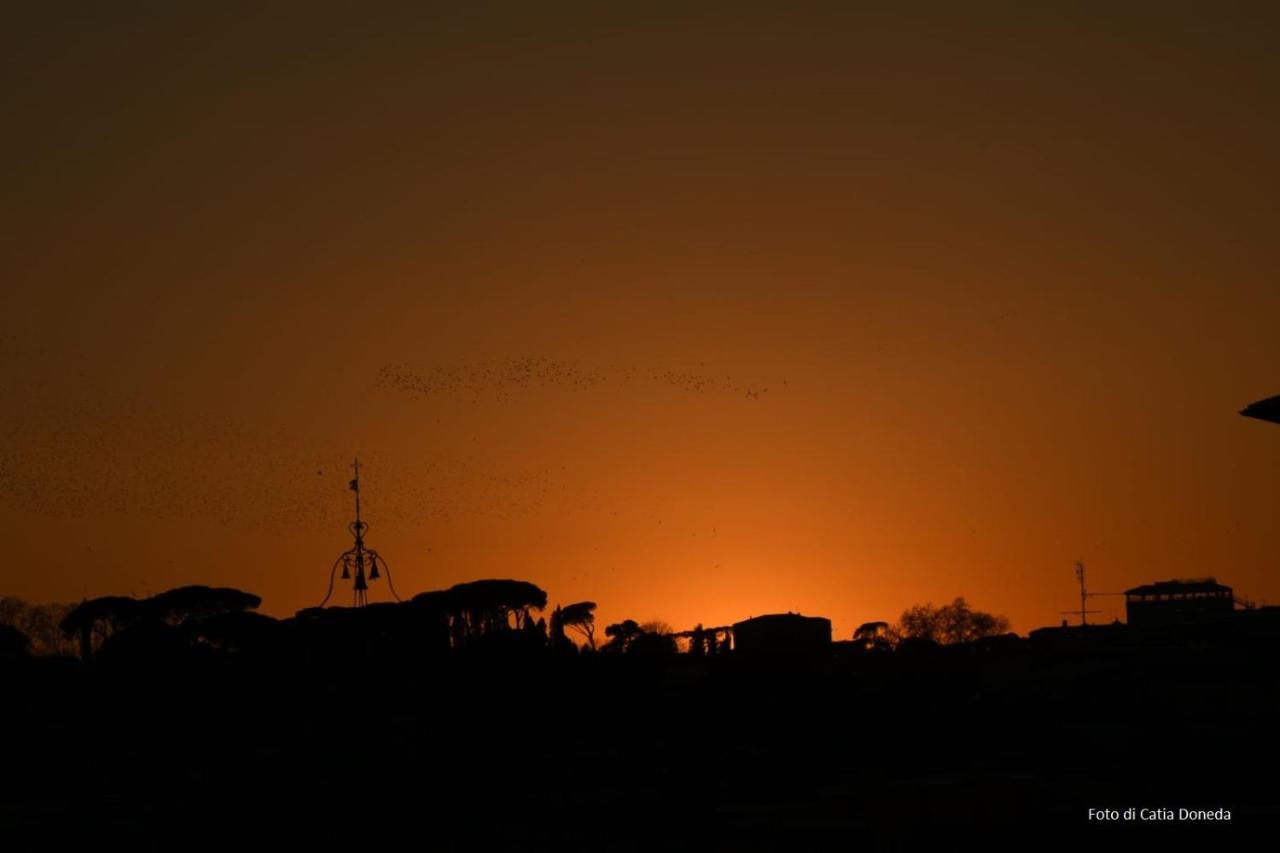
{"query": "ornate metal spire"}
[(361, 563)]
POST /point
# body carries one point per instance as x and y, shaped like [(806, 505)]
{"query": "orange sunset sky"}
[(698, 311)]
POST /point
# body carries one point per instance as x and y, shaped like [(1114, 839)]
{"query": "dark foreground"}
[(610, 752)]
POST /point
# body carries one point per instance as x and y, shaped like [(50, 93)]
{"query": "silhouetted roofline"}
[(1173, 587), (781, 617)]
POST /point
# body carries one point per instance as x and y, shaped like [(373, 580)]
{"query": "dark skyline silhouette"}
[(189, 715)]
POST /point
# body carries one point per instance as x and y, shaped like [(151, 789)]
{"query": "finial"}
[(358, 558)]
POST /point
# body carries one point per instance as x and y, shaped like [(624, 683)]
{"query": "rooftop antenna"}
[(1084, 597), (355, 561)]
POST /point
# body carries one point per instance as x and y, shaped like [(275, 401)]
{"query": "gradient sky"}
[(696, 310)]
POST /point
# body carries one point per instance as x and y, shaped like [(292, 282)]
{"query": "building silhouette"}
[(782, 632), (1174, 602)]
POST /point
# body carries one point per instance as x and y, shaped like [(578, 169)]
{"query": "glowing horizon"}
[(695, 315)]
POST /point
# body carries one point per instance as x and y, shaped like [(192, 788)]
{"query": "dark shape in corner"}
[(1264, 410), (13, 643)]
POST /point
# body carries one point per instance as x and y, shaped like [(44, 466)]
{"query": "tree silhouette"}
[(653, 644), (556, 637), (956, 622), (581, 617), (874, 637), (191, 604), (235, 630), (40, 623), (96, 619), (483, 607), (535, 633), (628, 636), (621, 634), (435, 615)]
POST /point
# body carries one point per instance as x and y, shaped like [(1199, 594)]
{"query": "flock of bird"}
[(90, 456), (170, 466), (497, 379)]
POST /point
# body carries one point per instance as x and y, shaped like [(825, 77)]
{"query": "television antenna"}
[(1083, 612)]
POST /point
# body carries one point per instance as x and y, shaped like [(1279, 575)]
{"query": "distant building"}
[(1075, 637), (1177, 601), (782, 632)]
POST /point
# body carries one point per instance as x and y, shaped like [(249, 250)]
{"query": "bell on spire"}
[(359, 555)]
